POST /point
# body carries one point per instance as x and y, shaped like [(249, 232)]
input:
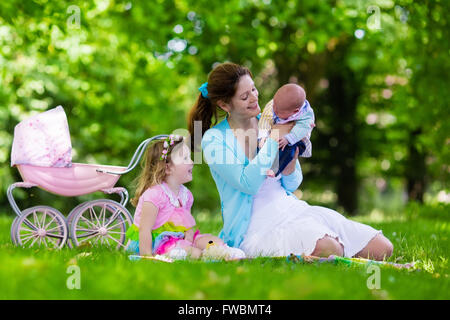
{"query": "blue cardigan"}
[(238, 179)]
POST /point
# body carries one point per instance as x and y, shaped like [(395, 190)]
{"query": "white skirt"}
[(281, 224)]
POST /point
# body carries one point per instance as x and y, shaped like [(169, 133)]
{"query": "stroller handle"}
[(137, 155)]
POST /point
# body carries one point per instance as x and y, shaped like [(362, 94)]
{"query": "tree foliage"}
[(375, 73)]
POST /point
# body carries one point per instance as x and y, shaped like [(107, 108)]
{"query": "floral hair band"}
[(169, 141)]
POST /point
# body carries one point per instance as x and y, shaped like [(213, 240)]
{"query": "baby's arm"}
[(148, 218), (302, 127)]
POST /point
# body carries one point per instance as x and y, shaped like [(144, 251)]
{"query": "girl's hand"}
[(189, 235), (147, 255), (291, 166)]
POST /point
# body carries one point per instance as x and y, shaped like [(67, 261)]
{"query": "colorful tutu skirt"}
[(164, 238)]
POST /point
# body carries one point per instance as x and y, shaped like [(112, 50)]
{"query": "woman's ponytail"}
[(221, 86), (202, 111)]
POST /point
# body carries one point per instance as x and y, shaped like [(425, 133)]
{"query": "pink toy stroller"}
[(47, 164)]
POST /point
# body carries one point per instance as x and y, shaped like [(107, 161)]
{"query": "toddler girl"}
[(163, 223)]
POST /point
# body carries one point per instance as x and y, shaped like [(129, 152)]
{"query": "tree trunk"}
[(415, 171), (343, 97)]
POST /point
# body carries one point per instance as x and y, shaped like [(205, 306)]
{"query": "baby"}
[(289, 104)]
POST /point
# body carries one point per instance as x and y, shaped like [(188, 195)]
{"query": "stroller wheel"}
[(100, 222), (69, 222), (40, 226), (13, 231)]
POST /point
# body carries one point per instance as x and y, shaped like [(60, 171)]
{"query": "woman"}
[(260, 214)]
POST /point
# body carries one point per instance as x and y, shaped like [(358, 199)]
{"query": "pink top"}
[(170, 207)]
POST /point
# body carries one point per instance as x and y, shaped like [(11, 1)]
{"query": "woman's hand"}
[(280, 130), (291, 166), (282, 143)]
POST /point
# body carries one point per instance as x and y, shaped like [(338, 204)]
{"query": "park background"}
[(375, 72)]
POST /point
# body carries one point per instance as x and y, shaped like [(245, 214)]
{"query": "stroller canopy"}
[(43, 140)]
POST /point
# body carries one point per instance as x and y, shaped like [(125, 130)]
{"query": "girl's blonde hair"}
[(153, 168)]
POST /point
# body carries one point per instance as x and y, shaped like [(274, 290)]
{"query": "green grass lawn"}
[(106, 274)]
